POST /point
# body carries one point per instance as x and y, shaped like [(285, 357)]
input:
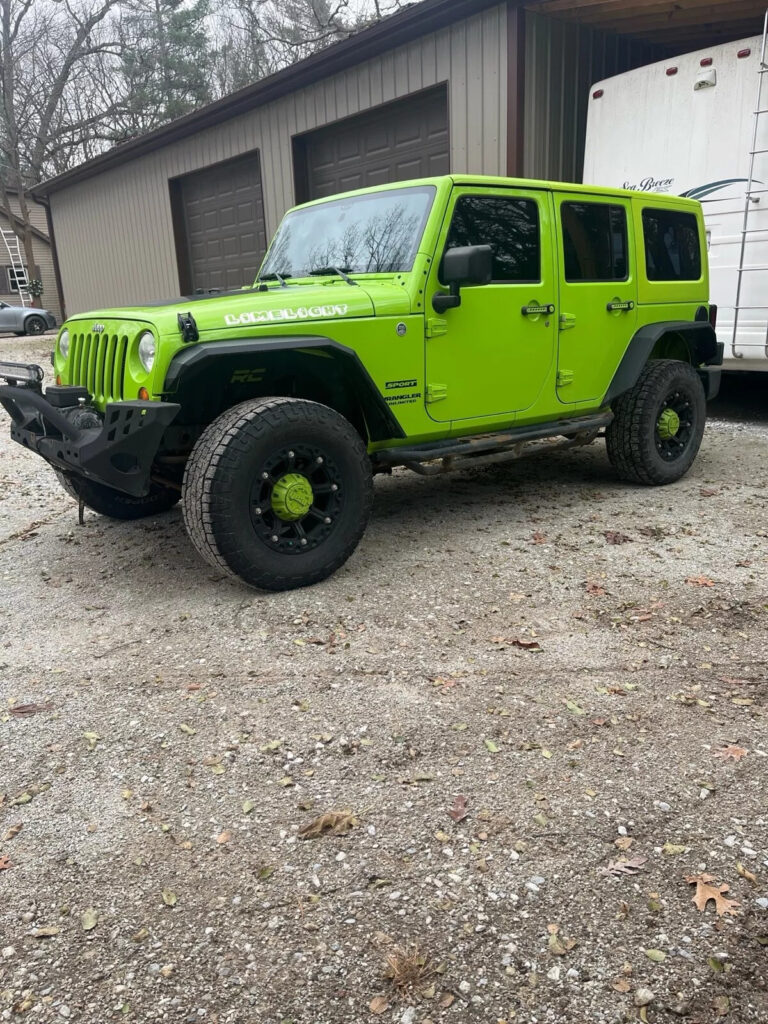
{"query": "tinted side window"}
[(594, 242), (509, 225), (672, 247)]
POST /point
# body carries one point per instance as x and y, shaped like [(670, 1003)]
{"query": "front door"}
[(598, 287), (490, 357)]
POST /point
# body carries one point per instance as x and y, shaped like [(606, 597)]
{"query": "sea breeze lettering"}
[(650, 185), (269, 316)]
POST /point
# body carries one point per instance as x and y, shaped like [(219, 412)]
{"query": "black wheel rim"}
[(674, 426), (270, 495), (35, 325)]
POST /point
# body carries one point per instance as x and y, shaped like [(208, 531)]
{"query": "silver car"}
[(25, 320)]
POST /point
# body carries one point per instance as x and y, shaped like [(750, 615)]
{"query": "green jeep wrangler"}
[(429, 324)]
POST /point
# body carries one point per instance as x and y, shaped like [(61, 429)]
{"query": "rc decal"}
[(268, 316)]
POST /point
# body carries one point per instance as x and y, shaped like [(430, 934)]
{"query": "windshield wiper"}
[(338, 271), (274, 277)]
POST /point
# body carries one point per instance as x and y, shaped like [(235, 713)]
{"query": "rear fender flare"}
[(695, 340)]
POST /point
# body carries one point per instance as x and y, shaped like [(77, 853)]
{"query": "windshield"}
[(366, 234)]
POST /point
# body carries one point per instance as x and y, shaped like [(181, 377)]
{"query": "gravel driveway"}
[(535, 699)]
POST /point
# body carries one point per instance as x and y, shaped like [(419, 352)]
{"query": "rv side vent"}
[(706, 80)]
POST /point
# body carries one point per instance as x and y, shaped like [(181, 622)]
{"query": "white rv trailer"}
[(697, 125)]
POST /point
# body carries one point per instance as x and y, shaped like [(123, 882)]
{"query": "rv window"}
[(672, 249), (509, 225), (594, 242)]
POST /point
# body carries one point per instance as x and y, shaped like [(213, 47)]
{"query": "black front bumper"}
[(119, 453)]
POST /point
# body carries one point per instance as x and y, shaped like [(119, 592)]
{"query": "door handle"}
[(619, 306), (546, 310)]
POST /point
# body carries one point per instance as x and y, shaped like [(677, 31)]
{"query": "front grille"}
[(97, 362)]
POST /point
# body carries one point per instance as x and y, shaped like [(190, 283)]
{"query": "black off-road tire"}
[(224, 475), (115, 504), (636, 449), (35, 324)]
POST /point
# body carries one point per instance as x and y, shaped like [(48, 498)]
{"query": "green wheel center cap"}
[(668, 425), (292, 497)]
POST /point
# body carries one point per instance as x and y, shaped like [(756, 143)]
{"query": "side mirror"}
[(465, 265)]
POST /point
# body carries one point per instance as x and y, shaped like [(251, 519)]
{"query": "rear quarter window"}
[(672, 245)]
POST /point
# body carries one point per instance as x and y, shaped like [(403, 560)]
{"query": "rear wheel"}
[(34, 325), (115, 504), (658, 425), (278, 492)]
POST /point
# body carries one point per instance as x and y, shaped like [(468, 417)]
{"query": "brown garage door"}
[(220, 229), (400, 140)]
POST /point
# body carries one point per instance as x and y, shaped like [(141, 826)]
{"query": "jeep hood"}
[(242, 311)]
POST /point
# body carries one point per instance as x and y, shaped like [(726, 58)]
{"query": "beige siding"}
[(562, 60), (114, 232), (43, 258)]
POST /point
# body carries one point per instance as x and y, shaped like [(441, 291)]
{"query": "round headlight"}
[(64, 344), (147, 349)]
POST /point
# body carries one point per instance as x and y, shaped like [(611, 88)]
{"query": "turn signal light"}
[(58, 379), (143, 394), (671, 71), (597, 94), (707, 62), (744, 53)]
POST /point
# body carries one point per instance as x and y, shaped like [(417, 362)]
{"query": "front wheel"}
[(114, 504), (278, 492), (658, 425), (34, 325)]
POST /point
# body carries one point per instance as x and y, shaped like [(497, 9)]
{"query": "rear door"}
[(490, 357), (598, 291)]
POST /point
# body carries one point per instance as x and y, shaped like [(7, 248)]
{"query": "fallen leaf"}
[(746, 873), (614, 537), (188, 729), (13, 831), (621, 985), (700, 581), (672, 849), (624, 866), (23, 710), (46, 932), (731, 753), (623, 842), (594, 589), (706, 892), (265, 871), (378, 1004), (248, 806), (526, 644), (337, 823), (491, 746), (657, 955), (446, 999), (267, 748), (708, 492), (223, 837), (721, 1005), (573, 707), (459, 810), (5, 863), (89, 919), (169, 898), (557, 945), (538, 538)]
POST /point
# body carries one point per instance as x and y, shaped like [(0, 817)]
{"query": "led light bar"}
[(21, 373)]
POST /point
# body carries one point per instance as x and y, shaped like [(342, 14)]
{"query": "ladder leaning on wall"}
[(752, 197), (11, 241)]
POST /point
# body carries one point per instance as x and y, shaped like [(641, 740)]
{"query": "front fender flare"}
[(201, 374)]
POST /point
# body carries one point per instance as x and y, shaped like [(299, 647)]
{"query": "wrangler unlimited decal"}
[(267, 316)]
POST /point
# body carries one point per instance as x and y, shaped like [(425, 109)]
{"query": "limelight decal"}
[(269, 316)]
